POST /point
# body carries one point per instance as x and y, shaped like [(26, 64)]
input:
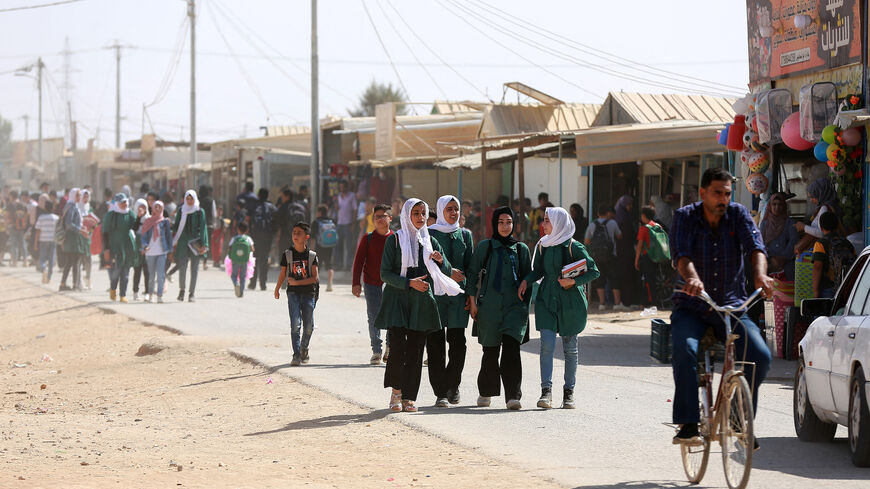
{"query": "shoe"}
[(386, 353), (238, 290), (408, 406), (453, 396), (329, 288), (396, 402), (122, 300), (546, 399), (169, 278), (190, 298), (64, 288), (205, 265), (160, 299), (135, 296), (441, 402), (621, 308), (181, 295), (262, 287), (755, 445), (483, 401), (602, 307), (112, 294), (688, 434), (295, 362), (45, 276), (305, 358), (147, 298), (514, 405), (568, 399), (252, 286), (375, 359), (87, 284)]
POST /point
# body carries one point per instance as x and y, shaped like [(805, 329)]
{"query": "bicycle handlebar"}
[(726, 309)]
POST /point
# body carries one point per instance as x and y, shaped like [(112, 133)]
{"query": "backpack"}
[(240, 250), (327, 236), (659, 249), (261, 220), (22, 221), (601, 246), (59, 231), (841, 256)]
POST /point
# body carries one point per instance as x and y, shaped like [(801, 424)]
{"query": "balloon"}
[(821, 151), (723, 135), (791, 133), (829, 134), (851, 137), (756, 183), (835, 153)]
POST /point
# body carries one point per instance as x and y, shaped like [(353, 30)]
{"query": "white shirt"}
[(815, 229), (155, 247)]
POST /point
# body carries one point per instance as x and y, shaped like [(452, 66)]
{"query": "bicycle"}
[(729, 418)]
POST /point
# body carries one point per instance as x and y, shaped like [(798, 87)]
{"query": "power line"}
[(174, 60), (384, 46), (42, 5)]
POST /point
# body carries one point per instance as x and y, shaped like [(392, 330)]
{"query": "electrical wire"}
[(42, 5), (386, 51), (174, 61)]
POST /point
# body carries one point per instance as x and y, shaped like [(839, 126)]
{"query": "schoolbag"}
[(261, 221), (659, 249), (328, 235), (240, 249), (601, 246), (841, 256)]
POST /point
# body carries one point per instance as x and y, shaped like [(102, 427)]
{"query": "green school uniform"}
[(118, 238), (500, 311), (402, 306), (557, 309), (458, 249), (194, 227)]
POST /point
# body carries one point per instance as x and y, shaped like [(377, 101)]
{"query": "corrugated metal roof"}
[(627, 107), (447, 107), (287, 130), (510, 119), (472, 161)]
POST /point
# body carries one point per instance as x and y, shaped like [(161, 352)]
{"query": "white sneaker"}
[(484, 401), (602, 307), (135, 296), (514, 405), (147, 297), (160, 299)]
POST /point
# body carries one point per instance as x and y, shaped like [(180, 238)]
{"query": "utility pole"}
[(66, 90), (191, 12), (26, 119), (39, 68), (117, 48), (314, 188)]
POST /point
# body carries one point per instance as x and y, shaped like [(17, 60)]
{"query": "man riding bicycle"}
[(708, 242)]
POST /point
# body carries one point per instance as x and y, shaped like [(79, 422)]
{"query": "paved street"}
[(614, 439)]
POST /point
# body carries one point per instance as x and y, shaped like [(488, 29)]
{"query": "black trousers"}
[(71, 262), (649, 270), (138, 272), (262, 247), (510, 370), (405, 363), (445, 374)]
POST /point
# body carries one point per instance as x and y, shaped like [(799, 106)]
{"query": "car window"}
[(845, 289), (859, 304)]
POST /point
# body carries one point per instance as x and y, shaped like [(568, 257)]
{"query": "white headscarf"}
[(185, 210), (562, 228), (441, 223), (410, 239), (84, 207), (141, 203), (115, 204), (71, 198)]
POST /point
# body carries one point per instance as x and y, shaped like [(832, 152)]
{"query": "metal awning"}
[(652, 141), (393, 162), (852, 118), (472, 161)]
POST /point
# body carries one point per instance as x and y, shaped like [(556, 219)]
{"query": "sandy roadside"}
[(80, 408)]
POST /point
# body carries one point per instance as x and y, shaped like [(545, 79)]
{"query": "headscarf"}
[(506, 241), (71, 198), (823, 190), (154, 219), (441, 223), (623, 216), (82, 205), (115, 205), (410, 239), (664, 213), (562, 228), (185, 210), (141, 203), (773, 225)]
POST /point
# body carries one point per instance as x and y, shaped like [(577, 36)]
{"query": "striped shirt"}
[(46, 224)]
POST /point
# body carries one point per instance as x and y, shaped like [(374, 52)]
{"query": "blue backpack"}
[(328, 234)]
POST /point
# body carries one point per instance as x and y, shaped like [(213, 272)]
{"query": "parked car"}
[(830, 384)]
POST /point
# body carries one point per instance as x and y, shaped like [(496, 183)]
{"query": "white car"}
[(830, 384)]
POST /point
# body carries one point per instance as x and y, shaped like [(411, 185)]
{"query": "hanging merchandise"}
[(758, 162), (756, 183), (830, 133), (820, 151), (723, 135), (818, 106), (771, 110), (735, 133), (851, 137), (791, 133)]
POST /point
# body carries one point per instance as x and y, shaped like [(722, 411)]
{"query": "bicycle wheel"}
[(695, 456), (737, 436)]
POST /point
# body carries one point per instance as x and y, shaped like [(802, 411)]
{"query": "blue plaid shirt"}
[(717, 255)]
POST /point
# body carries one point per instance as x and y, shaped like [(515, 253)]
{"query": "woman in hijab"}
[(75, 242), (664, 213), (780, 236), (414, 271), (580, 221), (119, 249), (502, 317), (822, 193), (156, 242), (560, 307), (458, 247), (87, 213), (190, 241), (140, 267)]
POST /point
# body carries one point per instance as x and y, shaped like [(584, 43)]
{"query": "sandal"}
[(396, 402), (408, 406)]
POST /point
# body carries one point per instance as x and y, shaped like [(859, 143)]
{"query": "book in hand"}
[(196, 247), (573, 270)]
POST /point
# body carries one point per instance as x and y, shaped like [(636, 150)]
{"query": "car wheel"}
[(859, 420), (807, 425)]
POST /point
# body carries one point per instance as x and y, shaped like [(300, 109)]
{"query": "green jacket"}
[(194, 227), (118, 238), (557, 309), (458, 249), (402, 306), (500, 312)]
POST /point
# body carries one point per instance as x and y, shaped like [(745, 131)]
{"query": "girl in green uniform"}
[(502, 315), (75, 242), (414, 271), (560, 307), (445, 374), (119, 250), (189, 226)]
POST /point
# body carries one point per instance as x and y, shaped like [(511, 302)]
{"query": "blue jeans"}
[(157, 265), (238, 275), (193, 260), (687, 328), (374, 295), (346, 246), (548, 346), (46, 256), (118, 277), (301, 317), (17, 246)]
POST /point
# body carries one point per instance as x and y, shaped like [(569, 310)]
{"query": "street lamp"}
[(23, 71)]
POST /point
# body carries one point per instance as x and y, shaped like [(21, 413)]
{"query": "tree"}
[(5, 139), (379, 93)]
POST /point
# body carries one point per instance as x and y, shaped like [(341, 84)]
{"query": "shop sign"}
[(794, 37)]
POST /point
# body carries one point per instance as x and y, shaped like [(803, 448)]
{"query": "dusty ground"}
[(80, 408)]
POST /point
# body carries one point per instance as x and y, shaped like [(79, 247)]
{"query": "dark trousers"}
[(648, 270), (138, 273), (405, 364), (71, 262), (445, 374), (262, 246), (510, 370)]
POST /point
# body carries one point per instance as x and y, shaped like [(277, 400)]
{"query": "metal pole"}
[(117, 94), (560, 173), (459, 185), (314, 188), (191, 12), (39, 67)]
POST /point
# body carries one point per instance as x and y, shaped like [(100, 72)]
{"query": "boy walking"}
[(367, 263), (325, 236), (45, 226), (240, 249), (299, 269)]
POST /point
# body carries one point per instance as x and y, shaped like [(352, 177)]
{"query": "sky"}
[(253, 57)]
